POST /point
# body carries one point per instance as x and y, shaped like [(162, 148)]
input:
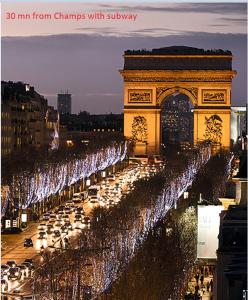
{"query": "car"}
[(93, 190), (42, 226), (69, 202), (110, 203), (58, 223), (42, 235), (29, 267), (78, 217), (65, 218), (24, 270), (59, 216), (79, 210), (76, 199), (94, 198), (46, 217), (11, 263), (86, 220), (111, 177), (28, 242), (84, 195), (14, 274), (30, 261), (68, 225), (51, 221), (4, 285), (78, 195), (50, 229), (64, 229), (11, 230), (52, 216), (4, 271), (67, 210), (56, 233)]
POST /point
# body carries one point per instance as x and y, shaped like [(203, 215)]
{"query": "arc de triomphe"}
[(205, 76)]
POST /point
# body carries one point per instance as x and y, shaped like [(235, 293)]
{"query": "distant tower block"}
[(64, 103)]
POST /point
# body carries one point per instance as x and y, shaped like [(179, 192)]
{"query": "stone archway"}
[(204, 76), (177, 119)]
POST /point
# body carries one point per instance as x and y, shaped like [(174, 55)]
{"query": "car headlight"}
[(8, 273), (16, 273)]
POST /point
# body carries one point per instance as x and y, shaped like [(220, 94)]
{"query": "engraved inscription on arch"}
[(214, 96), (139, 96)]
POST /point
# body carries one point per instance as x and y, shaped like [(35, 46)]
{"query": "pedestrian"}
[(197, 289), (197, 278), (42, 249), (202, 279), (208, 286), (211, 284), (210, 270)]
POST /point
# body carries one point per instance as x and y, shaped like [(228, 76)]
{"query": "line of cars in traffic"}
[(70, 216), (11, 272), (109, 192), (58, 224)]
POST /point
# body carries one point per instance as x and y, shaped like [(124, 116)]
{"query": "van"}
[(93, 190)]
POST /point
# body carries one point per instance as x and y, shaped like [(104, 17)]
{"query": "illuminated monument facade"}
[(205, 76)]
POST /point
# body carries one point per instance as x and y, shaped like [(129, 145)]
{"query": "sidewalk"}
[(204, 294)]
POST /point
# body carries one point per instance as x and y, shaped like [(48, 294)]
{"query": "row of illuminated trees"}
[(99, 256)]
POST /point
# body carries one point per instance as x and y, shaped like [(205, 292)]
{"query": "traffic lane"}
[(18, 251), (19, 254), (58, 243), (11, 241), (16, 254)]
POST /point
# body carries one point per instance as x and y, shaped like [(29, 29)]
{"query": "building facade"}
[(238, 123), (23, 113), (86, 122), (232, 254)]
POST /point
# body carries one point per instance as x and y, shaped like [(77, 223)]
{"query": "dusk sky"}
[(85, 56)]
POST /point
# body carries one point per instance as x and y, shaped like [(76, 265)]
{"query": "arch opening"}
[(177, 120)]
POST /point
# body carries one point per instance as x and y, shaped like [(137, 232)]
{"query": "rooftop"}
[(178, 50)]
